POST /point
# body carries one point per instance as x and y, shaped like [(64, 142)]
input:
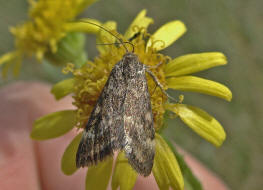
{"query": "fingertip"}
[(208, 179), (49, 154), (146, 183), (22, 103)]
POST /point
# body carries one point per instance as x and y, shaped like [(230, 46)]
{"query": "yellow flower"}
[(89, 80), (41, 33)]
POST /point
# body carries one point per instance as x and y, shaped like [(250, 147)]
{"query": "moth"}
[(122, 118)]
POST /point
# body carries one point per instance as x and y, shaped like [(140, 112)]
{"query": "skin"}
[(26, 164)]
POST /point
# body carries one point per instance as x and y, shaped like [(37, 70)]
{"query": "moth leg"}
[(153, 90), (158, 83), (154, 66)]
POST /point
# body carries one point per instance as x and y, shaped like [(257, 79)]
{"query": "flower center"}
[(91, 78)]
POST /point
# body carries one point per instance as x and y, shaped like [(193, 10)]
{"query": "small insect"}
[(134, 36), (122, 118)]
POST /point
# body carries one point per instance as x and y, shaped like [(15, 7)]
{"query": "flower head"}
[(88, 81), (48, 23)]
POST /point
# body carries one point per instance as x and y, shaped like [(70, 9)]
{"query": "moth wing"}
[(104, 131), (139, 144)]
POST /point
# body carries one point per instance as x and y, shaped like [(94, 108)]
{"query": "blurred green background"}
[(232, 27)]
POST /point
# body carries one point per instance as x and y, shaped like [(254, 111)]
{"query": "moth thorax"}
[(131, 65)]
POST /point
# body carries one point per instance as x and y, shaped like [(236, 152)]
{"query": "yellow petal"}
[(68, 161), (84, 4), (196, 84), (141, 21), (8, 57), (166, 169), (5, 69), (201, 122), (17, 67), (166, 35), (63, 88), (9, 60), (53, 125), (190, 180), (98, 176), (83, 26), (159, 171), (193, 63), (104, 37), (124, 176)]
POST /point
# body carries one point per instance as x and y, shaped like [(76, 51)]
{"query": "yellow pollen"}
[(91, 78)]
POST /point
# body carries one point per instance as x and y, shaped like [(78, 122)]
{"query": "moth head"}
[(130, 58), (131, 65)]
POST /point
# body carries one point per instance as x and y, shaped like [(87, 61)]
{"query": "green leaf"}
[(68, 161), (70, 50), (124, 176), (63, 88), (166, 169), (98, 176), (189, 177), (53, 125)]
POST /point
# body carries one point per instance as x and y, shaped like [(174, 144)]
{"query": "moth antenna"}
[(119, 39), (115, 43)]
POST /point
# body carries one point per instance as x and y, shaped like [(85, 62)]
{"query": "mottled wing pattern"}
[(139, 143), (121, 119), (104, 131)]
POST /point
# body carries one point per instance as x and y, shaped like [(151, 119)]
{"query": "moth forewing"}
[(104, 131), (138, 119), (121, 119)]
